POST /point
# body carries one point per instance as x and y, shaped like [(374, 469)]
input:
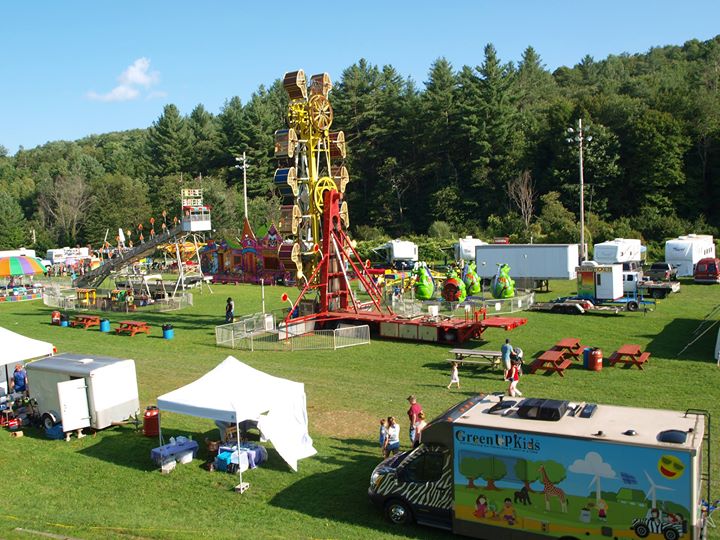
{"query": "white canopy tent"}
[(234, 392), (16, 348)]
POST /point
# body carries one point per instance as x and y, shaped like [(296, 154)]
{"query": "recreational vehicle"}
[(620, 250), (464, 250), (531, 469), (684, 252)]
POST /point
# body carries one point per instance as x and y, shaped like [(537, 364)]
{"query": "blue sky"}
[(73, 68)]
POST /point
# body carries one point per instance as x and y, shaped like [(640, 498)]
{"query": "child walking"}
[(383, 436), (454, 376), (514, 377)]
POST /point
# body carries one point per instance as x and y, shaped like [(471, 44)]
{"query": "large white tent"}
[(18, 348), (234, 392)]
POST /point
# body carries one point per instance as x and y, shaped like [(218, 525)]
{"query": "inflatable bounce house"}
[(503, 286)]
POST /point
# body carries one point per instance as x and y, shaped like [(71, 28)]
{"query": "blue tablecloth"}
[(168, 452)]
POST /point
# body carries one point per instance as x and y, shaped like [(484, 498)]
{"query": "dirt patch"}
[(344, 424)]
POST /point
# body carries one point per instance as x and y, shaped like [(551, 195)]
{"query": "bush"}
[(366, 232), (440, 229)]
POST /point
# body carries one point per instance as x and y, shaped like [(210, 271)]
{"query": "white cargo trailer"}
[(401, 253), (465, 248), (685, 251), (531, 261), (616, 251), (81, 391)]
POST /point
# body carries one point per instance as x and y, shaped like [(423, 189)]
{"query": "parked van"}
[(707, 270)]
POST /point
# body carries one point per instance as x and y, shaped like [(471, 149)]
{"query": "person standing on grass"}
[(392, 442), (413, 412), (18, 381), (383, 436), (506, 351), (514, 377), (229, 310), (419, 426), (454, 376)]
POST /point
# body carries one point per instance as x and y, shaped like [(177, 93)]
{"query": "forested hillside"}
[(482, 148)]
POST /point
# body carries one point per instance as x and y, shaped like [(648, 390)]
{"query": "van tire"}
[(398, 512), (48, 421)]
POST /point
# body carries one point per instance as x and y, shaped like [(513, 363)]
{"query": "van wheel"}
[(641, 530), (398, 512), (48, 421), (632, 306)]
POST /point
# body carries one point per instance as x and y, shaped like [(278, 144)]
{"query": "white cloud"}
[(136, 75), (593, 464)]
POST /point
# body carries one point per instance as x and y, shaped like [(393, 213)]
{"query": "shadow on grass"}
[(341, 495), (123, 446), (677, 334)]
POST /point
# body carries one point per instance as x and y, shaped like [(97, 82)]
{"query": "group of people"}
[(512, 358), (390, 430)]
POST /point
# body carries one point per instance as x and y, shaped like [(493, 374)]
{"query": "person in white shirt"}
[(419, 426), (392, 441)]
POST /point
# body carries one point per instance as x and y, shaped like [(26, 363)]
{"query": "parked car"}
[(661, 271), (707, 271)]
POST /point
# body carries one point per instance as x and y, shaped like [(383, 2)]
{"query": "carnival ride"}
[(311, 179), (186, 231)]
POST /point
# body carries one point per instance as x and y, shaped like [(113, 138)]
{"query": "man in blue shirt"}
[(506, 351), (18, 383)]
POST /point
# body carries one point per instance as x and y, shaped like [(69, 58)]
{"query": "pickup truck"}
[(662, 271), (635, 283)]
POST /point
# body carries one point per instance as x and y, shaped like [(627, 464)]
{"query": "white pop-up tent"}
[(234, 392), (18, 348)]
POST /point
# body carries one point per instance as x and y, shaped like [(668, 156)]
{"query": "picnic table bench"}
[(571, 346), (630, 355), (476, 357), (551, 360), (86, 321), (132, 327)]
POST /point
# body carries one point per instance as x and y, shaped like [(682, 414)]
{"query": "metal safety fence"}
[(68, 300)]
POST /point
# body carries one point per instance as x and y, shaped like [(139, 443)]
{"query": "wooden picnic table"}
[(86, 321), (551, 360), (570, 345), (476, 357), (132, 327), (630, 355)]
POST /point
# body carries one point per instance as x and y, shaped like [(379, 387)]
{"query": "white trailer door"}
[(74, 410)]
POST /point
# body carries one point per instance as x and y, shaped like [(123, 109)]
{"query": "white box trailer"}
[(685, 251), (402, 253), (465, 248), (533, 469), (617, 251), (532, 261), (83, 391)]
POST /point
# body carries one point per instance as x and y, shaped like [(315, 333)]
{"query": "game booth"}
[(238, 397)]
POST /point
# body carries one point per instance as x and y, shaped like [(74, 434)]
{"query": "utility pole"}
[(579, 138), (244, 169)]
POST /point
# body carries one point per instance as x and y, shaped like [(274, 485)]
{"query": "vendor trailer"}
[(81, 391), (532, 469), (684, 252)]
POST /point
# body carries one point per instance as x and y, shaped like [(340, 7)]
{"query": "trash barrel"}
[(586, 357), (168, 332), (64, 319), (151, 421), (104, 325), (55, 318), (596, 360)]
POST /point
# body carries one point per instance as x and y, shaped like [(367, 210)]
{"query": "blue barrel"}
[(168, 331), (104, 325), (64, 323), (586, 357)]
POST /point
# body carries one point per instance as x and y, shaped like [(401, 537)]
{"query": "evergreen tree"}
[(12, 223), (169, 143)]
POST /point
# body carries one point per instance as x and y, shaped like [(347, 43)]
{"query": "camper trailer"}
[(464, 250), (533, 469), (83, 391), (402, 254), (684, 252), (618, 251)]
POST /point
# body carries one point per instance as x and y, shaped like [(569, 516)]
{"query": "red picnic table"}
[(570, 345), (551, 360), (86, 321), (132, 327), (630, 355)]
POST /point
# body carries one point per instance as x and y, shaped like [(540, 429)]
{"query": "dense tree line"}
[(477, 150)]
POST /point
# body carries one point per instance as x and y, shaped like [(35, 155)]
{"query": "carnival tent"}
[(234, 392), (16, 348)]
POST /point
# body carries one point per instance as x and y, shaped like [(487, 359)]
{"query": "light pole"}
[(244, 170), (579, 138)]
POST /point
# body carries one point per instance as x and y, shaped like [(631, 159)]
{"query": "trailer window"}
[(426, 468)]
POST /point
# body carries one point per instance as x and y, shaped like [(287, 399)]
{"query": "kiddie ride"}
[(311, 179)]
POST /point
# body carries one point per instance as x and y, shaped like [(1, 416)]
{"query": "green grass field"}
[(105, 486)]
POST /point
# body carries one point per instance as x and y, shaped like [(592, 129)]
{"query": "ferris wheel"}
[(311, 165)]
